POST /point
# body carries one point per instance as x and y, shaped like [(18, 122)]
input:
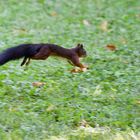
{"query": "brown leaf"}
[(38, 84), (75, 70), (111, 47), (104, 26)]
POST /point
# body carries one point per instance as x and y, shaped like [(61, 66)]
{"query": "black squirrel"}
[(42, 52)]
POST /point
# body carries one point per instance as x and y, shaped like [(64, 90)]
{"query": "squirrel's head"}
[(80, 50)]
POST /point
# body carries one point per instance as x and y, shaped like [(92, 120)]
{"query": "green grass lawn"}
[(102, 103)]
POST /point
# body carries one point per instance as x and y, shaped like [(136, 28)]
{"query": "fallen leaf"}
[(51, 108), (126, 62), (138, 15), (85, 22), (22, 29), (111, 47), (123, 40), (84, 123), (19, 31), (104, 26), (53, 14), (38, 84), (12, 109), (76, 70), (138, 102)]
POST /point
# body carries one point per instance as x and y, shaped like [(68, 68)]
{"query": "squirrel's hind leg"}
[(28, 62), (24, 61)]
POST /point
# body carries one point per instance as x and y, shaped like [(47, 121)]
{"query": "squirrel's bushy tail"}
[(18, 52)]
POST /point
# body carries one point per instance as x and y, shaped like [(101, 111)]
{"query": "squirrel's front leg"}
[(75, 60), (28, 62)]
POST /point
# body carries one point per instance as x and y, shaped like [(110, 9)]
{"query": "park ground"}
[(102, 103)]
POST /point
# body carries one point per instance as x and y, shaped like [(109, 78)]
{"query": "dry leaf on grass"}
[(138, 102), (19, 30), (76, 70), (38, 84), (111, 47), (123, 40), (138, 16), (84, 123), (85, 22), (104, 26), (53, 14), (51, 108)]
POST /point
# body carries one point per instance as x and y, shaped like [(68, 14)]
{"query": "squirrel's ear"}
[(80, 45)]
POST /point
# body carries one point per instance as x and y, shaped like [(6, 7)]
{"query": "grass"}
[(101, 103)]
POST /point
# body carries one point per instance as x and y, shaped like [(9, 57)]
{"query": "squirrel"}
[(42, 52)]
